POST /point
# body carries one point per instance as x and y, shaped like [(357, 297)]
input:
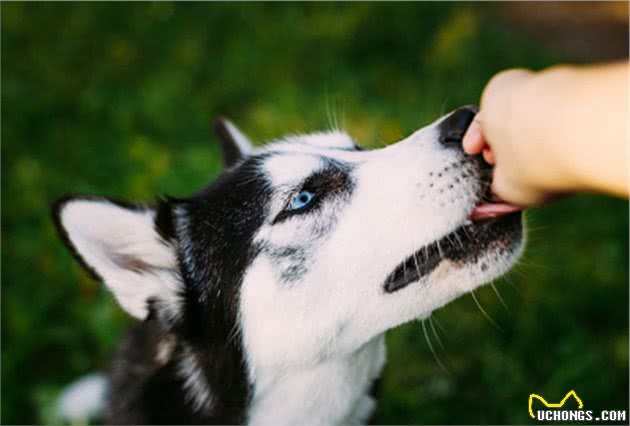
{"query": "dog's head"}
[(306, 248)]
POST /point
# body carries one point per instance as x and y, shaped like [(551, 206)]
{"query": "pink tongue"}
[(483, 211)]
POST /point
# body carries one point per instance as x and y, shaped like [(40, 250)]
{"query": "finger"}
[(487, 155), (514, 193), (473, 141), (500, 86), (504, 190)]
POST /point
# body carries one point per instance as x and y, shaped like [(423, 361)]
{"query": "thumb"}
[(509, 189)]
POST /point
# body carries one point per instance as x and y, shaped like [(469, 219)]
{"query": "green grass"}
[(118, 100)]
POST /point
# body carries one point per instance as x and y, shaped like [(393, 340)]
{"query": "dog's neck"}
[(334, 391), (331, 392)]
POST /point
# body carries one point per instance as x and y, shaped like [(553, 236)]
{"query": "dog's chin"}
[(496, 239)]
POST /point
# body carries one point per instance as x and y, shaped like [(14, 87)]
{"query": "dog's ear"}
[(234, 144), (127, 247)]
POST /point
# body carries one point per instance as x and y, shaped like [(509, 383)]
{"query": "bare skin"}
[(558, 131)]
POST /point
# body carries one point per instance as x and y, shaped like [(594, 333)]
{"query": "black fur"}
[(220, 223), (164, 224), (142, 389)]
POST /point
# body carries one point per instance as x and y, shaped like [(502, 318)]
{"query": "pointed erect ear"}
[(234, 144), (122, 245)]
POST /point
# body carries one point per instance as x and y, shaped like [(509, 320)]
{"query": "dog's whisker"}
[(381, 143), (437, 336), (437, 359), (459, 241), (483, 311), (440, 249), (329, 122), (499, 296), (415, 261), (438, 322), (511, 282), (468, 235), (336, 117), (343, 115), (456, 241)]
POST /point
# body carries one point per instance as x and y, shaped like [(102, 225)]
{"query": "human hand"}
[(554, 132), (502, 134)]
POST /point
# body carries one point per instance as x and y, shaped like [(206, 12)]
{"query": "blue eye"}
[(301, 200)]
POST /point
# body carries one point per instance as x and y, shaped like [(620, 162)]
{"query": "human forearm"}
[(590, 108)]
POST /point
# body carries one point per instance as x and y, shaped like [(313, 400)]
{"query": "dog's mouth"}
[(495, 208), (493, 225)]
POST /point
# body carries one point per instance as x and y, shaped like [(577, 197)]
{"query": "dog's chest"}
[(334, 392)]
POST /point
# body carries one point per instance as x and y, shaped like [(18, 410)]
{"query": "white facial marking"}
[(286, 170), (333, 139)]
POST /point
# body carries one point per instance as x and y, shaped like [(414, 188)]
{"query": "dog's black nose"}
[(453, 127)]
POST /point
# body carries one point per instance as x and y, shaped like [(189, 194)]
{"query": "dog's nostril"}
[(453, 127)]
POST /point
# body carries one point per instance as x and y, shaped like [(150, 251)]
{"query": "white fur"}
[(194, 382), (110, 239), (286, 171), (332, 139), (243, 143), (328, 392), (83, 400)]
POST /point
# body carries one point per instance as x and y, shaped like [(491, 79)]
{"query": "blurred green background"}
[(118, 99)]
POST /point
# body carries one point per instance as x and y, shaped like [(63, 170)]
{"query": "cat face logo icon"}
[(553, 405)]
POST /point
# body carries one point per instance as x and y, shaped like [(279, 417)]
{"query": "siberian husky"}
[(264, 298)]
